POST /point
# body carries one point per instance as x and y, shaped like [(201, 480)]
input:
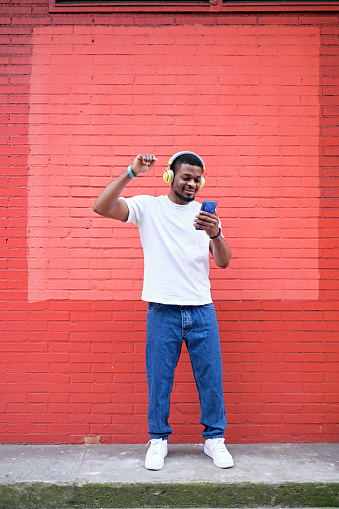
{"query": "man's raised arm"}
[(108, 203)]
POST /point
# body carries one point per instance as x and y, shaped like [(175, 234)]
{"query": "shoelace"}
[(219, 446), (156, 446)]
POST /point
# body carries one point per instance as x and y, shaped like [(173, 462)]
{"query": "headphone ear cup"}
[(202, 182), (168, 176)]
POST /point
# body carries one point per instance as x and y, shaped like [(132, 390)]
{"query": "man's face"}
[(186, 183)]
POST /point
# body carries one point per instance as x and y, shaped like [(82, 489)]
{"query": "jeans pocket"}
[(153, 306), (210, 305)]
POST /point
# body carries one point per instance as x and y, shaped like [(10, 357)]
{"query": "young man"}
[(177, 237)]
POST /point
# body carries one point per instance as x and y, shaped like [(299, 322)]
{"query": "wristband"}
[(216, 236), (130, 172)]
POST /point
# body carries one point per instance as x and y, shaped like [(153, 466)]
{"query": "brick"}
[(274, 342)]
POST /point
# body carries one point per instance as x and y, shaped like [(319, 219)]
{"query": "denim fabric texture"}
[(167, 327)]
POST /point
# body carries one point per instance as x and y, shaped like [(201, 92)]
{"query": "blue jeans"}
[(167, 327)]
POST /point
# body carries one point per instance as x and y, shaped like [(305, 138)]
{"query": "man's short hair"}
[(188, 158)]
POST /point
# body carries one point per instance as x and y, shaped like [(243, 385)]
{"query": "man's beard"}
[(187, 199)]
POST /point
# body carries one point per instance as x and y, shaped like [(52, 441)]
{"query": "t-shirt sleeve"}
[(137, 207)]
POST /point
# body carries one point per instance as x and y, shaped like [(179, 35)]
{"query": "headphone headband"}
[(168, 175), (173, 158)]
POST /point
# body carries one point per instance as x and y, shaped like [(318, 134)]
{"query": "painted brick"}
[(258, 126)]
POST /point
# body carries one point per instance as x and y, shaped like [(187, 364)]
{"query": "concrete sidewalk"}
[(264, 475)]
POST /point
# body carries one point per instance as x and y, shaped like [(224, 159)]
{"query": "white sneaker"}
[(156, 454), (216, 449)]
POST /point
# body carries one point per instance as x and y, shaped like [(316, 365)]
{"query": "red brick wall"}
[(256, 95)]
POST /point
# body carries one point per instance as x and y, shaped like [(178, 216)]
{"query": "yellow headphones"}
[(168, 175)]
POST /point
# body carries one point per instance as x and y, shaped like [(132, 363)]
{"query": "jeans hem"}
[(157, 436)]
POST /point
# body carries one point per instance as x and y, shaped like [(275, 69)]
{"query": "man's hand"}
[(218, 247), (143, 163), (208, 222)]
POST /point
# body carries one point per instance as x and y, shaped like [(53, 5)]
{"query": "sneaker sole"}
[(154, 468)]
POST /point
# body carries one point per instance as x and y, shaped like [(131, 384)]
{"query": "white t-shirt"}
[(176, 255)]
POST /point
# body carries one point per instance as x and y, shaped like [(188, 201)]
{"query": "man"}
[(177, 237)]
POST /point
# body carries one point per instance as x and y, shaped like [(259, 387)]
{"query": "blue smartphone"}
[(208, 206)]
